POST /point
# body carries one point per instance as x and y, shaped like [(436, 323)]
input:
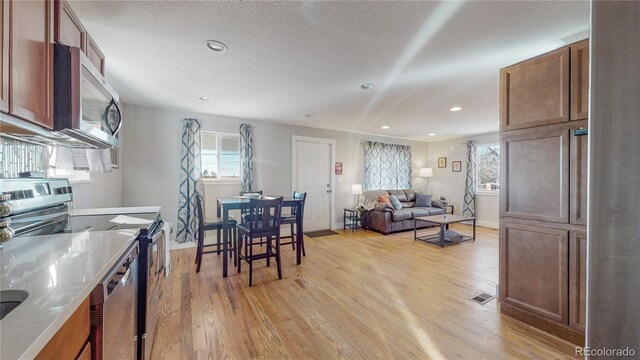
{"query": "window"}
[(488, 168), (220, 156)]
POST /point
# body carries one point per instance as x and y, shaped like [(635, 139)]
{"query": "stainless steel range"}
[(40, 206)]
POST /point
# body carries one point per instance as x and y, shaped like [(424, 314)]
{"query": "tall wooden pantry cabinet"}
[(543, 201)]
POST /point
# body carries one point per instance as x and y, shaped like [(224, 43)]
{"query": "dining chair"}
[(215, 224), (265, 216), (292, 221), (245, 212)]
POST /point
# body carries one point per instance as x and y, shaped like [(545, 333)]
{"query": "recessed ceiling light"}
[(432, 134), (204, 98), (310, 115), (216, 46), (385, 127), (455, 108), (367, 86)]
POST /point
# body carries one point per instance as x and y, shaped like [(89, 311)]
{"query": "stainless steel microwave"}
[(86, 108)]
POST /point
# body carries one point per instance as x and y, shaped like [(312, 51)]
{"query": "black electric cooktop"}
[(74, 224)]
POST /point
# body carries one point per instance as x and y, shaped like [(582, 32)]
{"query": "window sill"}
[(81, 181), (220, 182), (487, 193)]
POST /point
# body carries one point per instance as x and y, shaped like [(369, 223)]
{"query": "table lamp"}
[(426, 173), (356, 190)]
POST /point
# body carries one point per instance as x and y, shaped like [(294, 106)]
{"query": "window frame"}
[(477, 170), (226, 179)]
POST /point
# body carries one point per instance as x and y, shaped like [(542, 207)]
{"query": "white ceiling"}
[(289, 59)]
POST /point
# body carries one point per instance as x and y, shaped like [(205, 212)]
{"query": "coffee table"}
[(445, 236)]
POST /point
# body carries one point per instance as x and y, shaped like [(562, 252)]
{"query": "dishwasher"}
[(114, 325)]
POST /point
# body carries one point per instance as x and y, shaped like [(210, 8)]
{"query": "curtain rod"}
[(379, 142)]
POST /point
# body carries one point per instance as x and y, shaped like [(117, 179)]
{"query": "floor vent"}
[(483, 298)]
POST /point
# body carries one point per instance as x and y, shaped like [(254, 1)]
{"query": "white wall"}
[(451, 184), (151, 155)]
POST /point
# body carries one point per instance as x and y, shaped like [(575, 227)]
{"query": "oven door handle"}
[(157, 236)]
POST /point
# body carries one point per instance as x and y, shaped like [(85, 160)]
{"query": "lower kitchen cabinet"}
[(85, 353), (4, 56), (534, 267), (577, 279), (70, 342), (543, 276)]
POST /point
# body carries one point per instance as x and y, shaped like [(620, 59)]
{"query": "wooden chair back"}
[(200, 215), (298, 196), (265, 216)]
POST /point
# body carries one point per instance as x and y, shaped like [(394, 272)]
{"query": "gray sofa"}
[(385, 219)]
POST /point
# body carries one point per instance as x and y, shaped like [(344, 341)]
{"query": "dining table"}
[(226, 204)]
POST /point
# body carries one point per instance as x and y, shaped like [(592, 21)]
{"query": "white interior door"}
[(313, 167)]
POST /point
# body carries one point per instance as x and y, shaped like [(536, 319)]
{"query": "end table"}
[(449, 206), (351, 218)]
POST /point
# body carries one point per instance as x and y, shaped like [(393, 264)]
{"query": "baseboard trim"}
[(488, 224), (561, 331)]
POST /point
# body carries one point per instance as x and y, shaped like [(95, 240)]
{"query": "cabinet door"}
[(71, 338), (31, 55), (535, 175), (579, 175), (85, 353), (4, 56), (533, 269), (577, 279), (68, 28), (95, 54), (535, 92), (580, 80)]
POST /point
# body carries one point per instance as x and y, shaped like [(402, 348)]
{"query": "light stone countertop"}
[(59, 272), (115, 211)]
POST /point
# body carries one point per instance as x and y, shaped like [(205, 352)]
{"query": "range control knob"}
[(5, 206)]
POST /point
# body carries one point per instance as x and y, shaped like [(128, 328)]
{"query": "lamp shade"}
[(426, 172), (356, 189)]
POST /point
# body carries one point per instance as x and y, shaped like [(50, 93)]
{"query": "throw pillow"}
[(423, 200), (384, 199), (395, 202)]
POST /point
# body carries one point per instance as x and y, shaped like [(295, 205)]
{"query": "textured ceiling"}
[(289, 59)]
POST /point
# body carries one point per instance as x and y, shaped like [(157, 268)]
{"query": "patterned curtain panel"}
[(386, 166), (469, 207), (246, 157), (190, 181)]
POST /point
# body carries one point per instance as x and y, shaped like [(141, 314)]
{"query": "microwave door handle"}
[(119, 118)]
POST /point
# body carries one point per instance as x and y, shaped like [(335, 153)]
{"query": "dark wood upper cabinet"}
[(579, 175), (580, 80), (95, 54), (31, 61), (578, 279), (535, 92), (4, 57), (533, 269), (535, 174), (68, 28)]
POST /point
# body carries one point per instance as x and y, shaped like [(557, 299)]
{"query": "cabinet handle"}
[(580, 132)]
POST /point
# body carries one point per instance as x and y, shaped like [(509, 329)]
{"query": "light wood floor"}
[(356, 296)]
